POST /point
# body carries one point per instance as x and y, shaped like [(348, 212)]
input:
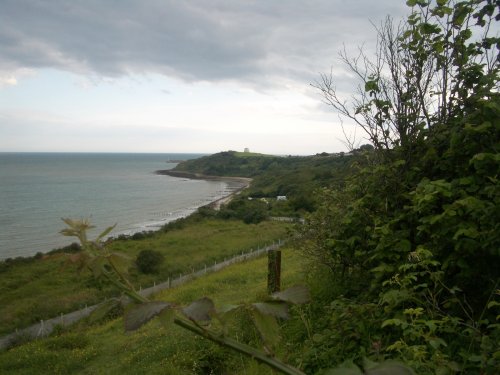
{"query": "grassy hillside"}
[(321, 168), (296, 177), (35, 289), (400, 252), (106, 349), (228, 163)]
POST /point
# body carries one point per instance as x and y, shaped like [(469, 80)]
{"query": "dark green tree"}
[(149, 261)]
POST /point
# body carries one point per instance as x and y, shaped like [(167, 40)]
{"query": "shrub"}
[(149, 261)]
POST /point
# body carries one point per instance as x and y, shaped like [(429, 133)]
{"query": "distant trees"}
[(251, 212)]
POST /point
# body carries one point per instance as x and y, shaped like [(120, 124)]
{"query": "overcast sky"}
[(176, 76)]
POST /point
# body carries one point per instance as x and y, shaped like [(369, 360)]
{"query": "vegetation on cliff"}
[(401, 246), (297, 178), (44, 287), (410, 246)]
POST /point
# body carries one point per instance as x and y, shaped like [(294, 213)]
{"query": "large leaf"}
[(227, 312), (96, 265), (346, 368), (390, 368), (77, 228), (278, 309), (166, 317), (121, 262), (143, 313), (105, 233), (296, 294), (228, 309), (200, 310), (104, 309), (77, 224), (267, 326), (371, 368)]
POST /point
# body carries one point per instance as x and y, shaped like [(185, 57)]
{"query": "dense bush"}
[(416, 231), (149, 261), (250, 211)]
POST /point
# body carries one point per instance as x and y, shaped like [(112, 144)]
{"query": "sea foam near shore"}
[(227, 189), (37, 189)]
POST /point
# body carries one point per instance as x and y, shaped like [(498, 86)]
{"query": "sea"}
[(38, 189)]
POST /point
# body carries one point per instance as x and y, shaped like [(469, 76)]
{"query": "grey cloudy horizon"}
[(251, 45)]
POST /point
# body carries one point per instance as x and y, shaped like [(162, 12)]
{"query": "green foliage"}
[(415, 233), (35, 289), (263, 315), (228, 163), (410, 241), (149, 261), (109, 266), (440, 333), (249, 211), (370, 368), (346, 328), (296, 177), (153, 349), (65, 354)]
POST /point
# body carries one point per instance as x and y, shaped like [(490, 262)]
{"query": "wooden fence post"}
[(273, 271)]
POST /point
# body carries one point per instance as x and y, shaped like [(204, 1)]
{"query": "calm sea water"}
[(37, 189)]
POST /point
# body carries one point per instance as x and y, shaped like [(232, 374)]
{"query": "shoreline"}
[(239, 184), (199, 176), (234, 186)]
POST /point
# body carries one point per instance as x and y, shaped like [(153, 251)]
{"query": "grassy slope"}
[(106, 349), (227, 163), (203, 243), (250, 154), (296, 177), (274, 174), (42, 289), (47, 288)]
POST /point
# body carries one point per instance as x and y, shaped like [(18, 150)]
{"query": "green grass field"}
[(45, 288), (153, 349), (251, 154)]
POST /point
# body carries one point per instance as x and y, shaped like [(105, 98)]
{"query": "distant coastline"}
[(40, 188), (237, 183), (199, 176)]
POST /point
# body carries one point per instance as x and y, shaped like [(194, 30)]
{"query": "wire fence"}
[(46, 327)]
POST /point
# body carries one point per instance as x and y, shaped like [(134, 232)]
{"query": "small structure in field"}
[(281, 198)]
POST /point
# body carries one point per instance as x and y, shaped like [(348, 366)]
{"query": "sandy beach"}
[(236, 184)]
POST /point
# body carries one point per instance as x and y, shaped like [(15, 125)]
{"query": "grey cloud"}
[(255, 41)]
